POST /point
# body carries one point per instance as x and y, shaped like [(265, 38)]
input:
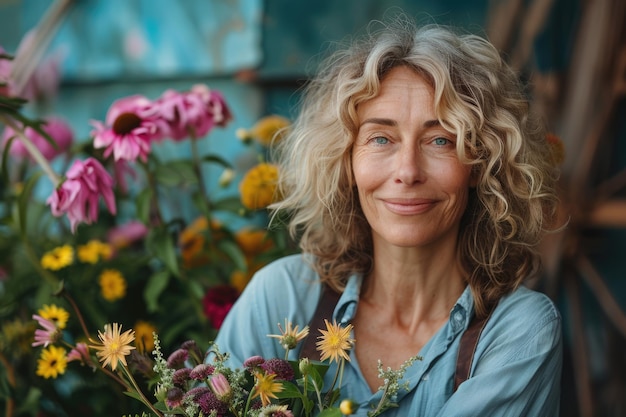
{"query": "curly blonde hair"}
[(478, 96)]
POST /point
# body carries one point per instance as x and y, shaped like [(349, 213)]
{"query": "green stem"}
[(144, 400), (10, 402), (33, 151), (83, 326), (197, 167), (320, 404)]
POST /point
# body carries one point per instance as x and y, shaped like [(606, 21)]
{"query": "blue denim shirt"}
[(516, 369)]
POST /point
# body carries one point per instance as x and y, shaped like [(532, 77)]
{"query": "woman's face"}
[(412, 188)]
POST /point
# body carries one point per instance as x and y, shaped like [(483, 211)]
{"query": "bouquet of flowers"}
[(192, 382)]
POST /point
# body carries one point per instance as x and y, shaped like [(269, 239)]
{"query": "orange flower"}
[(258, 186)]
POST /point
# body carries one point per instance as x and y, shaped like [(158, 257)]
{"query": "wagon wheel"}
[(593, 199)]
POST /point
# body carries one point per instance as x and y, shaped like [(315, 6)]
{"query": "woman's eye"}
[(380, 140), (441, 141)]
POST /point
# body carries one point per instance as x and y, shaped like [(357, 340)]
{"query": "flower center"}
[(125, 123)]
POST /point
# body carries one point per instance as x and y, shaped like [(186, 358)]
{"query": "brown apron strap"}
[(469, 341), (325, 307)]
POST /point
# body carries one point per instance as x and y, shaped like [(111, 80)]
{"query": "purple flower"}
[(280, 367), (201, 372), (78, 195), (177, 359), (253, 362), (79, 353), (209, 402), (174, 397), (181, 376)]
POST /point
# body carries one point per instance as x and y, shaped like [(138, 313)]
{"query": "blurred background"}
[(572, 54)]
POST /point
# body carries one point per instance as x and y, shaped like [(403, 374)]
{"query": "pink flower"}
[(5, 73), (220, 386), (193, 113), (55, 127), (78, 195), (49, 334), (123, 235), (79, 353), (131, 126)]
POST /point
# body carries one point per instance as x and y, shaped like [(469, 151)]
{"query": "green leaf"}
[(234, 252), (5, 157), (154, 287), (176, 173), (330, 412), (24, 200), (142, 202), (232, 204), (161, 244), (218, 160)]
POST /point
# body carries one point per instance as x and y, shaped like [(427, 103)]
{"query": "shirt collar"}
[(460, 314)]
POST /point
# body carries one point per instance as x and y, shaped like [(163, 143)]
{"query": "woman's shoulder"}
[(528, 303), (292, 274), (525, 319)]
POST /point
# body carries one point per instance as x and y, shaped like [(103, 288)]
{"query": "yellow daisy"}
[(52, 362), (258, 186), (290, 336), (265, 387), (335, 342), (58, 258), (93, 251), (144, 338), (57, 315), (115, 345), (112, 285)]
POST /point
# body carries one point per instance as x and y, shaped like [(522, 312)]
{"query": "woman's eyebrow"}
[(390, 122)]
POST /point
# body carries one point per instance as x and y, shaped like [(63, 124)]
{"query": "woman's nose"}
[(410, 167)]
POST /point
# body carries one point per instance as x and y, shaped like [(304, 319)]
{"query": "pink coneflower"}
[(192, 113), (49, 334), (130, 127), (55, 127), (78, 195)]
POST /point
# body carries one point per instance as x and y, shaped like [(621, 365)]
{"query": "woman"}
[(418, 186)]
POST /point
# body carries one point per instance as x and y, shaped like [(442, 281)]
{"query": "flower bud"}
[(305, 366), (348, 407)]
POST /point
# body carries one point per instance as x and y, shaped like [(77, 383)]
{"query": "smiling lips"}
[(406, 207)]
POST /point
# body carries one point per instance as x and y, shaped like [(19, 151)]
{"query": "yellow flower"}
[(115, 345), (58, 258), (57, 315), (258, 186), (266, 129), (290, 336), (52, 362), (112, 285), (335, 342), (144, 338), (93, 251), (265, 387)]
